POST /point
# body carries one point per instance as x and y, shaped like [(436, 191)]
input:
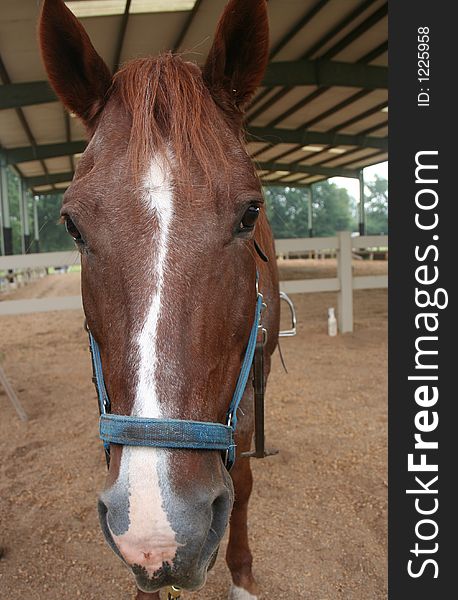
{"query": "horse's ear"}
[(239, 54), (77, 73)]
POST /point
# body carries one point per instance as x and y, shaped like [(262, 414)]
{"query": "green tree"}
[(53, 236), (287, 209), (332, 210), (376, 203)]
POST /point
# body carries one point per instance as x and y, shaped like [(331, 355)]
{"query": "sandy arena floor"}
[(318, 510)]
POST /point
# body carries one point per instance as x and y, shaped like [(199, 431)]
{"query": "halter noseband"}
[(175, 433)]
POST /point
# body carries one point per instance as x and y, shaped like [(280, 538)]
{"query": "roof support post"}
[(310, 210), (7, 234), (362, 208), (21, 216), (36, 226), (24, 199), (2, 241)]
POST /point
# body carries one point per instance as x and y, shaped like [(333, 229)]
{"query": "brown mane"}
[(171, 106)]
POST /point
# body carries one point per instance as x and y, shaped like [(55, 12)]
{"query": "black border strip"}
[(414, 129)]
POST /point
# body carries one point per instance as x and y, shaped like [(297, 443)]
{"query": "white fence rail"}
[(20, 269), (21, 262), (303, 245), (46, 259), (36, 305), (343, 284)]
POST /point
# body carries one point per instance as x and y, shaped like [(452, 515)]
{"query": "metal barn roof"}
[(321, 112)]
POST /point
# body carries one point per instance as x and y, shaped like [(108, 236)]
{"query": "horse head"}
[(164, 207)]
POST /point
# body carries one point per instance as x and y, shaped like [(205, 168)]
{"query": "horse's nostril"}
[(103, 511), (103, 514), (220, 514), (101, 506)]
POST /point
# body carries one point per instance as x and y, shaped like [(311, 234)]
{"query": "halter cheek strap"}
[(174, 433)]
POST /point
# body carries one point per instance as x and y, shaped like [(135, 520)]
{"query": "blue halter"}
[(174, 433)]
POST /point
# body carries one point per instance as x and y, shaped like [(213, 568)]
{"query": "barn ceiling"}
[(321, 111)]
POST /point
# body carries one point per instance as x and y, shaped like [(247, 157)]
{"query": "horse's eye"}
[(249, 218), (73, 230)]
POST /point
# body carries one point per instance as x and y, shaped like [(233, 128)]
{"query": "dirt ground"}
[(318, 510)]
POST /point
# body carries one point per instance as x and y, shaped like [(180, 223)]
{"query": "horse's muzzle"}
[(184, 558)]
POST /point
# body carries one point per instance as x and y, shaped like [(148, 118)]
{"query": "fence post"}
[(345, 275)]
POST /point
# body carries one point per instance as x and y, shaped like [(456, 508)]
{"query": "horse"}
[(167, 212)]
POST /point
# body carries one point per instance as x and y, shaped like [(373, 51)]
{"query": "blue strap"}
[(246, 367), (104, 401), (102, 396), (243, 378), (165, 433)]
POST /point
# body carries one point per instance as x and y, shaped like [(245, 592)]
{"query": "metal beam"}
[(121, 36), (309, 169), (353, 35), (319, 92), (375, 157), (374, 53), (186, 26), (14, 95), (265, 183), (293, 136), (380, 49), (325, 73), (53, 192), (347, 21), (255, 134), (50, 179), (322, 73), (334, 131), (6, 80), (364, 115), (28, 153), (290, 184), (308, 16), (321, 43)]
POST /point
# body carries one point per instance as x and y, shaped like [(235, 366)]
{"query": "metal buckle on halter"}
[(227, 452), (262, 331), (173, 592)]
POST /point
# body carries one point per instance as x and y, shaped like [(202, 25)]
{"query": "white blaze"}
[(150, 539), (159, 198)]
